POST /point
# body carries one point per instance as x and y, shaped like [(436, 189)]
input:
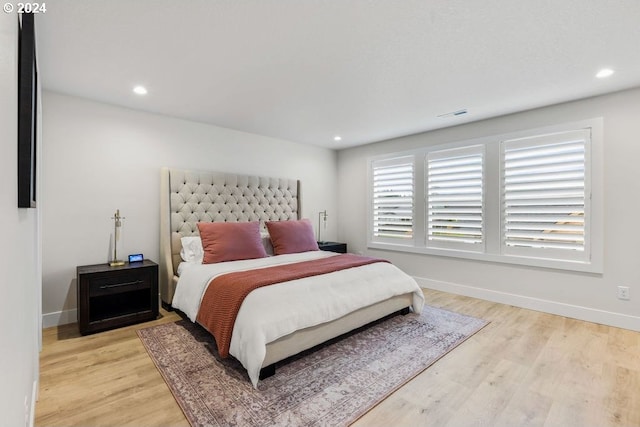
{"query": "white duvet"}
[(271, 312)]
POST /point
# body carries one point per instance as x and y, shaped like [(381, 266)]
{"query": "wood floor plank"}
[(525, 368)]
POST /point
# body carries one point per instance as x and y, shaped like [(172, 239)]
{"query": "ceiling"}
[(308, 70)]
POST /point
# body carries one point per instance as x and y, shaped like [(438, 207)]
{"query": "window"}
[(392, 199), (532, 197), (543, 189), (454, 197)]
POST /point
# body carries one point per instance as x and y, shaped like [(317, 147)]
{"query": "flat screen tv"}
[(27, 113)]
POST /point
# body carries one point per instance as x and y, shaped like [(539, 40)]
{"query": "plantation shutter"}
[(455, 197), (545, 192), (393, 183)]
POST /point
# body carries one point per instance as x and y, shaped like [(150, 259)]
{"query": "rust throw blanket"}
[(224, 295)]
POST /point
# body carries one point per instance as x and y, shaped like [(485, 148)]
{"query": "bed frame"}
[(188, 197)]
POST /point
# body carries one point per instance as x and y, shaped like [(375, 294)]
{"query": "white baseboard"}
[(568, 310), (34, 398), (58, 318)]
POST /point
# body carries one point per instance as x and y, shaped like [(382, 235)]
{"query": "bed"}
[(190, 200)]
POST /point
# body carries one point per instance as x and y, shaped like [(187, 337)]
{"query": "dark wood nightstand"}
[(110, 297), (333, 247)]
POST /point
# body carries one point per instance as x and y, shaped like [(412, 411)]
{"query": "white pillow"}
[(266, 242), (192, 249)]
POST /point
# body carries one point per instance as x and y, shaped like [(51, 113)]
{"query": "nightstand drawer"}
[(118, 283)]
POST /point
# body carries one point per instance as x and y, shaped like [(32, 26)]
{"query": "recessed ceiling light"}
[(605, 72), (337, 138), (140, 90)]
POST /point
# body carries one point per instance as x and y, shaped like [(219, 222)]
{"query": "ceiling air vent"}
[(454, 113)]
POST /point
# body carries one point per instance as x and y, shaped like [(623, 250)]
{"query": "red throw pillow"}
[(230, 241), (290, 237)]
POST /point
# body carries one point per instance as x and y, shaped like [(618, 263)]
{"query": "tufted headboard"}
[(189, 197)]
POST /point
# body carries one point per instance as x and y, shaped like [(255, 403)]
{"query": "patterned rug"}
[(332, 385)]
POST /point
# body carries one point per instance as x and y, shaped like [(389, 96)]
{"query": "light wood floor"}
[(524, 369)]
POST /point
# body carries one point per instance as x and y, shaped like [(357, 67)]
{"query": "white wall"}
[(19, 254), (586, 296), (99, 158)]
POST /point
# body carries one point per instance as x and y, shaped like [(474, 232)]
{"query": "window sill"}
[(578, 266)]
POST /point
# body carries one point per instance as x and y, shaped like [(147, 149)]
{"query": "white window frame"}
[(492, 251), (541, 141), (385, 161), (453, 154)]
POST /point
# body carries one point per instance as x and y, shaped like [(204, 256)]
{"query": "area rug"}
[(330, 385)]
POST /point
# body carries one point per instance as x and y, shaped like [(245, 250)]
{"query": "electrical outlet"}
[(623, 292)]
